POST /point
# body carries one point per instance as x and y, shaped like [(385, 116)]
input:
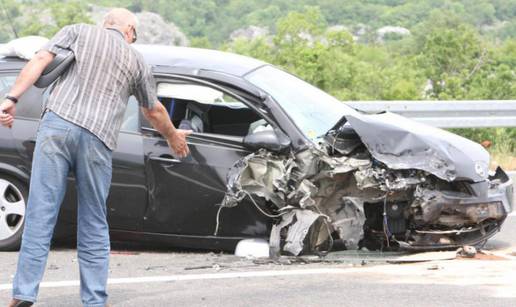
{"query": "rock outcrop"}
[(153, 29), (249, 33)]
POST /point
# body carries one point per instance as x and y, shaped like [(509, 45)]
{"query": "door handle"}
[(165, 158)]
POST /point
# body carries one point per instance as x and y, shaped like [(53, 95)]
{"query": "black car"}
[(271, 157)]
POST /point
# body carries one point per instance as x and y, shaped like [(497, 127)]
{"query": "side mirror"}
[(272, 140)]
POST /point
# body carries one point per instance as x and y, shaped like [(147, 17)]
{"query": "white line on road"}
[(188, 277)]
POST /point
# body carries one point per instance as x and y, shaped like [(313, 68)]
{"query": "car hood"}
[(402, 143)]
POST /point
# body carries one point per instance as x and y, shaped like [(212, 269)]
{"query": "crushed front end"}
[(343, 193)]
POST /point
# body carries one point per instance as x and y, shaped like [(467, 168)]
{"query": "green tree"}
[(449, 51), (62, 13), (200, 42), (9, 10)]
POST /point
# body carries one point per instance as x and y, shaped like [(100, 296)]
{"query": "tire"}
[(13, 203)]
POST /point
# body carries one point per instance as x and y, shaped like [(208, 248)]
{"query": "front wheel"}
[(13, 201)]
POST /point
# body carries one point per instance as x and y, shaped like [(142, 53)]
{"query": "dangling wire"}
[(216, 232), (335, 137), (9, 20), (254, 203), (386, 230), (261, 210)]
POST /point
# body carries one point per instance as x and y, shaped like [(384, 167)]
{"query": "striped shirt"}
[(94, 91)]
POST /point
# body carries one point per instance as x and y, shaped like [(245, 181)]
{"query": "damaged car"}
[(365, 180), (271, 157)]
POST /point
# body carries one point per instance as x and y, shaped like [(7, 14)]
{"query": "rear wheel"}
[(13, 201)]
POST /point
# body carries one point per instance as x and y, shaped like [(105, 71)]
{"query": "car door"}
[(24, 129), (184, 194), (127, 197)]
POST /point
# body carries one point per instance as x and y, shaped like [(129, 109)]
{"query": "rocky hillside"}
[(152, 29), (45, 21)]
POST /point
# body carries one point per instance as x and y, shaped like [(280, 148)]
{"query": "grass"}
[(500, 142), (503, 150), (505, 160)]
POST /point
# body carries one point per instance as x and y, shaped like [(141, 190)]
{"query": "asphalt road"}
[(172, 278), (143, 277)]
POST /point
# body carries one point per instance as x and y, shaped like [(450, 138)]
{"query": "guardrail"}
[(449, 114)]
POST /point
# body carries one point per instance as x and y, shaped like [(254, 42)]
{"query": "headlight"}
[(481, 168)]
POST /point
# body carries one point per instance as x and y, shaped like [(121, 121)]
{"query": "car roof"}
[(7, 63), (183, 57), (196, 58)]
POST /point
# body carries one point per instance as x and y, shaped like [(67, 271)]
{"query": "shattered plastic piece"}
[(275, 237), (467, 251), (200, 267), (299, 230), (252, 248), (155, 267)]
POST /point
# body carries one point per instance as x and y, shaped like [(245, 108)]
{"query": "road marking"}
[(512, 213), (189, 277)]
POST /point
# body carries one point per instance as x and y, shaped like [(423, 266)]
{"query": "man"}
[(78, 132)]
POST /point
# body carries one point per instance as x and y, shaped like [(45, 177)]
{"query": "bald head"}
[(124, 21), (120, 18)]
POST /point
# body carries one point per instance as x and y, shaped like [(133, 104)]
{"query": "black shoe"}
[(23, 304)]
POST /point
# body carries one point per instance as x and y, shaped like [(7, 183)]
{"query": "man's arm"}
[(31, 72), (28, 76), (160, 120)]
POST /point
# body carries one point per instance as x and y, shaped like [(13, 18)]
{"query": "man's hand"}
[(7, 112), (177, 142), (29, 74), (176, 138)]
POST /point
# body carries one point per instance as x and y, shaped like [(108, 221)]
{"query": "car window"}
[(30, 104), (131, 121), (199, 93), (204, 109), (311, 109), (6, 82)]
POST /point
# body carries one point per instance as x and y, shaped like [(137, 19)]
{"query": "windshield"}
[(312, 110)]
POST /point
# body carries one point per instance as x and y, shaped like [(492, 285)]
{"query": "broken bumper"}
[(469, 220)]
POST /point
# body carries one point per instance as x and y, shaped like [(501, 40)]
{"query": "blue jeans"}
[(60, 147)]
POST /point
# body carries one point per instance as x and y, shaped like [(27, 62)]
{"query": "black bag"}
[(55, 69)]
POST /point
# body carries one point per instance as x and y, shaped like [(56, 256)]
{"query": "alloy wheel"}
[(12, 209)]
